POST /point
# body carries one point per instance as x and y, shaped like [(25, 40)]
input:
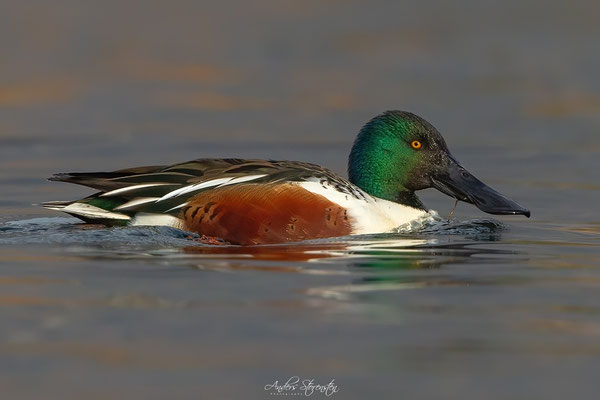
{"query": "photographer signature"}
[(308, 387)]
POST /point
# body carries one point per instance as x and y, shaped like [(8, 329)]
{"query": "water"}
[(479, 307)]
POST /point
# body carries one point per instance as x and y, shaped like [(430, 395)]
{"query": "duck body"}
[(241, 201), (250, 202)]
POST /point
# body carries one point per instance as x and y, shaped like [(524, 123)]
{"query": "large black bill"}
[(457, 182)]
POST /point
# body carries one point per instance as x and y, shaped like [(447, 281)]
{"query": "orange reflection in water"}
[(271, 253), (400, 253)]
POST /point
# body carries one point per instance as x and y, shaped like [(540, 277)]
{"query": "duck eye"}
[(416, 144)]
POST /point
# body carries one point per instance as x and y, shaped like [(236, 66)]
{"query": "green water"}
[(480, 308)]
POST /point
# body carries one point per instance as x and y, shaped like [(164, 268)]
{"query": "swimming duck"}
[(263, 201)]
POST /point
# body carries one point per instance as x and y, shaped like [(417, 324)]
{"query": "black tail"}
[(103, 181)]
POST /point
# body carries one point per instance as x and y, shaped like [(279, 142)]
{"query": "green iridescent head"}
[(398, 153)]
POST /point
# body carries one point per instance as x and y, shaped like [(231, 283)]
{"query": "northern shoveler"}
[(259, 201)]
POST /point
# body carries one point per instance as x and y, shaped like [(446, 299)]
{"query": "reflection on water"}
[(371, 263), (92, 296)]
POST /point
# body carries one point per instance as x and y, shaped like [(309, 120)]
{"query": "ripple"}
[(71, 230)]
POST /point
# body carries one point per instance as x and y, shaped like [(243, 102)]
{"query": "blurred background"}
[(104, 85), (99, 85)]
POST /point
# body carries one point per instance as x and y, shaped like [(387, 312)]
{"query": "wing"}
[(167, 189)]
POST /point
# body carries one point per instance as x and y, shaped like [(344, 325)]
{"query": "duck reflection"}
[(354, 255)]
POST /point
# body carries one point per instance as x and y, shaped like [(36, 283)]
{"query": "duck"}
[(254, 202)]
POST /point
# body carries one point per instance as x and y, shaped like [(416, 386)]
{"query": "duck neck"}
[(375, 167), (410, 199), (373, 176), (397, 194)]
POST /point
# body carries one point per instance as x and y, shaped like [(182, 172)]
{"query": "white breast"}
[(369, 214)]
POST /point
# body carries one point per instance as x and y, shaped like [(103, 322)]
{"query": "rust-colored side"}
[(264, 213)]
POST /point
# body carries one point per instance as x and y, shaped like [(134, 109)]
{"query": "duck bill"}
[(457, 182)]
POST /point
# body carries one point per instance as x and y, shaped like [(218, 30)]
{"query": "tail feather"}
[(56, 205), (108, 181), (87, 212), (103, 180), (99, 181)]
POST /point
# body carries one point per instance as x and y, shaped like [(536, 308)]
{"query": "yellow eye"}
[(416, 144)]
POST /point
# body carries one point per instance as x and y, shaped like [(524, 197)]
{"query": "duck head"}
[(398, 153)]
